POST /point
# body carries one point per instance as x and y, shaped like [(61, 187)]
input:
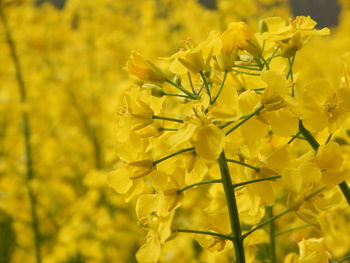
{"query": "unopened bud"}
[(155, 90), (263, 27), (177, 79)]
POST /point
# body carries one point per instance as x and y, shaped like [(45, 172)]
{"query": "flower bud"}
[(156, 91)]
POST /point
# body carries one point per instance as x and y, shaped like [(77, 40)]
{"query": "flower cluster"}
[(230, 115)]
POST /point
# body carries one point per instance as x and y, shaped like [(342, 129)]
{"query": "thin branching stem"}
[(291, 230), (199, 183), (244, 120), (173, 154), (263, 223), (257, 169), (221, 87), (192, 96), (167, 119), (244, 72), (206, 85), (205, 233), (257, 181)]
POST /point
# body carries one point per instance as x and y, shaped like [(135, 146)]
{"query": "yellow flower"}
[(240, 35), (134, 113), (293, 36), (276, 95), (313, 250), (330, 159), (144, 69), (209, 141), (156, 223), (192, 57), (322, 105)]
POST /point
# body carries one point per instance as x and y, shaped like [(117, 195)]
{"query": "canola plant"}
[(162, 131)]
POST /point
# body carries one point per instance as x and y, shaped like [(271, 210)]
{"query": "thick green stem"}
[(308, 136), (345, 190), (232, 209), (272, 230), (315, 145), (26, 134), (205, 233)]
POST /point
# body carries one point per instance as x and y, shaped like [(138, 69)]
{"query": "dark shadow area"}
[(324, 12), (210, 4), (59, 4)]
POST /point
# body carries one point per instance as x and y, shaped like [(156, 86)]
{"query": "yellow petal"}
[(210, 141), (150, 251), (330, 156), (119, 180)]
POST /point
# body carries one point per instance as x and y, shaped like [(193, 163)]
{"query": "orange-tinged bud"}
[(144, 69), (240, 35)]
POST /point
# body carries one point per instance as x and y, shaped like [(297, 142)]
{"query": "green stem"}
[(234, 185), (245, 67), (221, 87), (265, 62), (291, 229), (314, 193), (26, 134), (263, 223), (205, 233), (267, 221), (345, 190), (172, 155), (167, 129), (176, 95), (257, 180), (315, 145), (294, 137), (232, 209), (273, 56), (244, 120), (244, 72), (206, 85), (243, 164), (343, 259), (199, 183), (308, 136), (329, 138), (166, 119), (291, 63), (191, 83), (192, 96), (272, 230)]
